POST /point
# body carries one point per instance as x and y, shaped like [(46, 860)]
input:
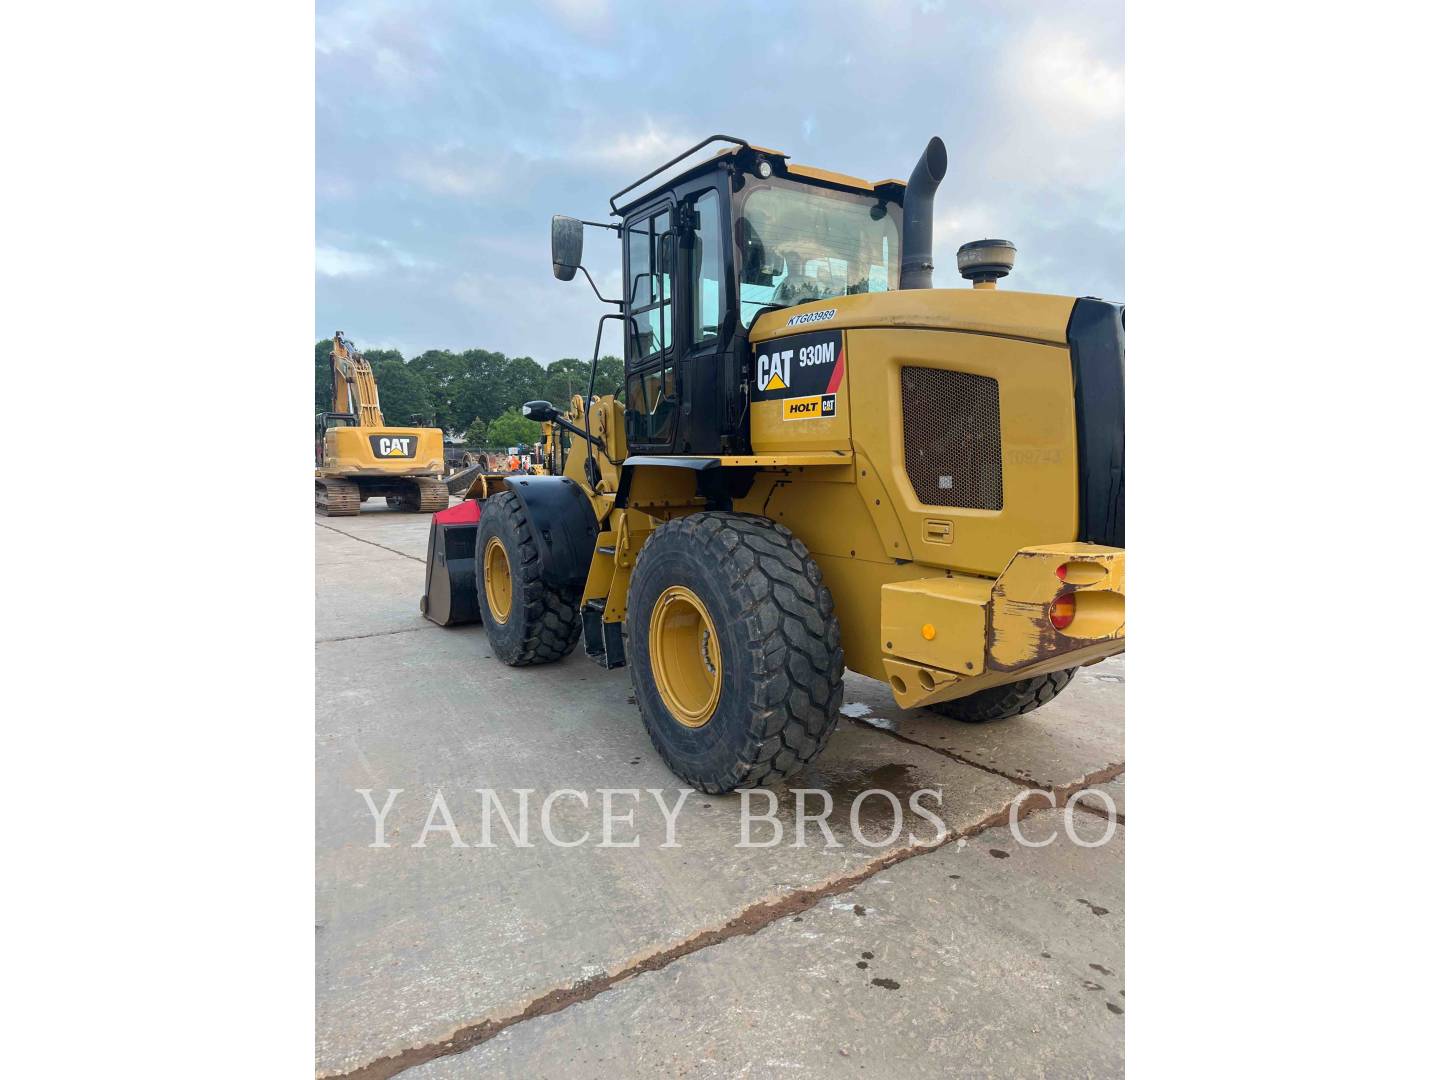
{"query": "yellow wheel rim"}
[(497, 579), (685, 656)]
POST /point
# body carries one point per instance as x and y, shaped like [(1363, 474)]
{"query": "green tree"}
[(403, 393), (512, 429), (564, 378), (610, 375), (322, 375), (570, 376), (522, 380), (475, 435)]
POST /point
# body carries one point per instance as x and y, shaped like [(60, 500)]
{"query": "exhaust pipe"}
[(917, 266)]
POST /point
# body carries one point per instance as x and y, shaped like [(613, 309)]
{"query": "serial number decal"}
[(814, 407), (811, 316)]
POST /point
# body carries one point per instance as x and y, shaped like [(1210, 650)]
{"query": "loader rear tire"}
[(527, 621), (734, 650), (1003, 702)]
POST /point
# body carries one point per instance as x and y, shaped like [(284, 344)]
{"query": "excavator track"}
[(426, 497), (434, 495), (337, 498)]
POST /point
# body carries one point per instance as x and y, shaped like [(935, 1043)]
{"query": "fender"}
[(717, 484), (564, 525)]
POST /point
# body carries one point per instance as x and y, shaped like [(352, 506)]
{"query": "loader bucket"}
[(450, 597)]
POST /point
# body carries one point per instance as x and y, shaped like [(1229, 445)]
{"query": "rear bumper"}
[(948, 637)]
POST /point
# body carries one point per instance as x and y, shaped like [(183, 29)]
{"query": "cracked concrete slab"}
[(1078, 733), (1115, 789), (995, 959), (413, 943)]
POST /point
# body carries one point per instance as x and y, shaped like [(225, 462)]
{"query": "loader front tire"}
[(734, 650), (1003, 702), (527, 621)]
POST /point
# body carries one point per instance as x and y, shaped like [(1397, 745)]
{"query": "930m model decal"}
[(806, 364)]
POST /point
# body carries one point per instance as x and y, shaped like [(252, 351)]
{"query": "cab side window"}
[(648, 245), (707, 264), (649, 335)]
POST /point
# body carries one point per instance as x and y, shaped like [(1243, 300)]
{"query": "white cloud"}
[(451, 178), (643, 149), (582, 14), (1060, 123), (1061, 74), (334, 262)]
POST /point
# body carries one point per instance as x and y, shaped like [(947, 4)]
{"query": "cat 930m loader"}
[(357, 456), (817, 461)]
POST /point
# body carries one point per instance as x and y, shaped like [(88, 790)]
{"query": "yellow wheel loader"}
[(357, 457), (817, 461)]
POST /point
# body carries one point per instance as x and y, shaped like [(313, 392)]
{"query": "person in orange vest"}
[(514, 463)]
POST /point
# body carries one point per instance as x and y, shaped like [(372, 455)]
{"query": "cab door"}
[(702, 327), (652, 402)]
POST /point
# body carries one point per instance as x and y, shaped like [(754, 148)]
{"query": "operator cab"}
[(704, 254)]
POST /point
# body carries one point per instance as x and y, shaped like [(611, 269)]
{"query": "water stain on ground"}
[(1095, 909), (876, 814)]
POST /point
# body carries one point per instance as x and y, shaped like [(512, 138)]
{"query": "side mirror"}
[(567, 239), (542, 411)]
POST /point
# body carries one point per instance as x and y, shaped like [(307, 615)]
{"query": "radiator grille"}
[(952, 437)]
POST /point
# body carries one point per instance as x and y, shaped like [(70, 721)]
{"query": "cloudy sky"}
[(448, 132)]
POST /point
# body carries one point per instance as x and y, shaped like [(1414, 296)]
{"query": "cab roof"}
[(741, 149)]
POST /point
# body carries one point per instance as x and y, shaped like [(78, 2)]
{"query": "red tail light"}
[(1062, 611)]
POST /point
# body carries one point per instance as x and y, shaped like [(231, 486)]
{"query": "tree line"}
[(475, 393)]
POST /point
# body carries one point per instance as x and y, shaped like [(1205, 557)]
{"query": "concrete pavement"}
[(689, 956)]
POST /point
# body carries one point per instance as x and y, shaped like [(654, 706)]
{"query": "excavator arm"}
[(354, 389)]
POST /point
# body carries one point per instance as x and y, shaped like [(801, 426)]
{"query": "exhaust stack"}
[(917, 267)]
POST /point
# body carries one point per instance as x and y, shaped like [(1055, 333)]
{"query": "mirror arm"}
[(595, 289)]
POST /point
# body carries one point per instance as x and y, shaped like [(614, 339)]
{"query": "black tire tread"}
[(1011, 699), (551, 616), (796, 663)]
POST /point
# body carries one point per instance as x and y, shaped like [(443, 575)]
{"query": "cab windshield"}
[(799, 243)]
